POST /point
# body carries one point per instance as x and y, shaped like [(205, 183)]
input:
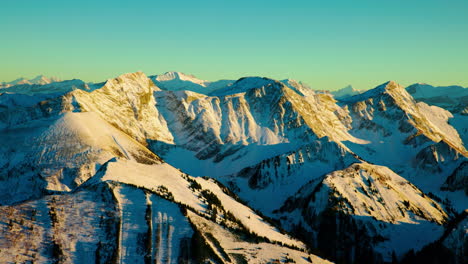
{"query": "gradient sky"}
[(327, 44)]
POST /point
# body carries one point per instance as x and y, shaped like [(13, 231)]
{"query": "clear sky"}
[(327, 44)]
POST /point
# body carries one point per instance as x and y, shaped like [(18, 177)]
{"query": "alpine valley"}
[(173, 169)]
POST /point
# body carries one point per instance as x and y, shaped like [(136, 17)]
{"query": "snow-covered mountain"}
[(345, 92), (177, 81), (78, 178), (111, 172), (40, 80), (363, 213), (130, 212), (453, 98)]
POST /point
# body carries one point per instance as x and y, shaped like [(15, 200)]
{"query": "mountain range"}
[(39, 80), (173, 169)]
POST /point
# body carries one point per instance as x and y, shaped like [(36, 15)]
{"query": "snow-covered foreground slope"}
[(228, 247), (162, 177), (152, 229), (134, 213)]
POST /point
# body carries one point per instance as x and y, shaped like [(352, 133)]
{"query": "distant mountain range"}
[(173, 169), (346, 92), (40, 79)]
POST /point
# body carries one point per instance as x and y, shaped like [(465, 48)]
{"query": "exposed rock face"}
[(126, 102), (38, 80), (345, 92), (246, 113)]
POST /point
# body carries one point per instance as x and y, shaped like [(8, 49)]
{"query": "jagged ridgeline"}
[(173, 169)]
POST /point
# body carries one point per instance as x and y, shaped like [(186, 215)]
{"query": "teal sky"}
[(327, 44)]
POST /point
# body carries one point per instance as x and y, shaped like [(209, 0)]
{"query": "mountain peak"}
[(388, 86), (246, 83), (41, 79), (173, 76), (132, 75), (392, 85), (348, 88), (177, 81), (298, 87), (137, 81), (345, 92)]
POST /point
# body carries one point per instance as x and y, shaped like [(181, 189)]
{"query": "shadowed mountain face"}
[(345, 92), (111, 172)]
